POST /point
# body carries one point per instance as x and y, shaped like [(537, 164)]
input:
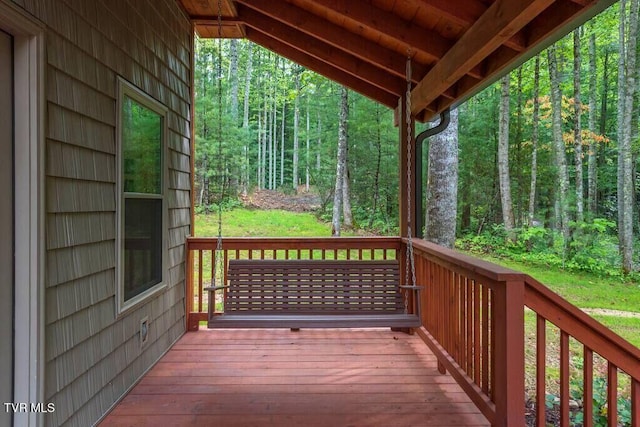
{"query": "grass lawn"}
[(242, 222)]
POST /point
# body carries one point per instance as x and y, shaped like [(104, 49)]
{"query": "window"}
[(141, 210)]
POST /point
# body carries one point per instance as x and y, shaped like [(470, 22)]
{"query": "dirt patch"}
[(301, 201), (616, 313)]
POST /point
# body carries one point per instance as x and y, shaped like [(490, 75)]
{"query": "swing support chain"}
[(410, 269)]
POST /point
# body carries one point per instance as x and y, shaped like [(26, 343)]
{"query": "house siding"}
[(92, 356)]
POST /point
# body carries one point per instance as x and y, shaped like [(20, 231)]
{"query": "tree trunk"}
[(319, 143), (558, 143), (296, 131), (307, 158), (442, 185), (621, 112), (503, 160), (341, 162), (376, 179), (625, 154), (592, 172), (233, 75), (247, 85), (577, 126), (534, 140), (282, 135)]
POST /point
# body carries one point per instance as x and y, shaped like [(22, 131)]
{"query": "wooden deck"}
[(314, 377)]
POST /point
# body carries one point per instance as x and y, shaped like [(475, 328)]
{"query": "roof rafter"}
[(336, 36), (503, 19), (321, 50), (465, 13), (263, 39), (426, 41)]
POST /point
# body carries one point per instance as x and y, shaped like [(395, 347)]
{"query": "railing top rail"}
[(355, 242), (583, 327), (468, 263)]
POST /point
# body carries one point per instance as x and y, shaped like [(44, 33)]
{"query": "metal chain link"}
[(410, 264)]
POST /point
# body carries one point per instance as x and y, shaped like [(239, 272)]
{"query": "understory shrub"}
[(592, 247)]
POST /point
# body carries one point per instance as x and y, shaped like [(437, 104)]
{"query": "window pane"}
[(142, 245), (141, 148)]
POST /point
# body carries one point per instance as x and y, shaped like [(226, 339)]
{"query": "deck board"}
[(281, 378)]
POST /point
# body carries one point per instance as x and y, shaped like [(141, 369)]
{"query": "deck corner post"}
[(188, 294), (508, 388)]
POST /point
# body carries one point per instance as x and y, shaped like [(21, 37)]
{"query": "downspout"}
[(419, 188)]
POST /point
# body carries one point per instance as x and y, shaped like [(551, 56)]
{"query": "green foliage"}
[(593, 248), (599, 403)]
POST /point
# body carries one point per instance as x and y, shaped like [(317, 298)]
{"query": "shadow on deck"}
[(314, 377)]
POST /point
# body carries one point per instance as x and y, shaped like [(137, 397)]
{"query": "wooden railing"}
[(473, 316), (474, 319), (473, 322), (200, 259), (620, 359)]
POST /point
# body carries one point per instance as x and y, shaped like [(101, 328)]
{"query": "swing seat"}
[(314, 294)]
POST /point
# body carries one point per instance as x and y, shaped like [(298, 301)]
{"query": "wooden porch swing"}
[(272, 293)]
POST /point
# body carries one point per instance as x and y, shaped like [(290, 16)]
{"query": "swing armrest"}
[(416, 288), (214, 288)]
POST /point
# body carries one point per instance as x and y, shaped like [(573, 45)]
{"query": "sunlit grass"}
[(263, 223), (581, 289)]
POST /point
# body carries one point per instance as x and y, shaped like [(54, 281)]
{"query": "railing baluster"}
[(587, 386), (225, 266), (564, 379), (635, 403), (485, 340), (469, 331), (492, 345), (200, 281), (541, 367), (455, 310), (476, 333), (612, 395)]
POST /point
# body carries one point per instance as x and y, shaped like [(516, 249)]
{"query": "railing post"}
[(508, 354), (188, 295)]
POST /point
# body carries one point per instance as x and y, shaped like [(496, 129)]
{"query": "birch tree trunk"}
[(245, 119), (442, 185), (503, 160), (233, 75), (376, 179), (319, 143), (307, 158), (624, 150), (534, 140), (341, 163), (621, 112), (577, 126), (296, 132), (558, 143), (282, 135), (247, 86), (347, 217), (592, 174)]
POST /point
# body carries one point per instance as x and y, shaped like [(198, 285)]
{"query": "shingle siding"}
[(91, 356)]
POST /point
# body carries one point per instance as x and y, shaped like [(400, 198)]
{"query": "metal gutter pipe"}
[(445, 118)]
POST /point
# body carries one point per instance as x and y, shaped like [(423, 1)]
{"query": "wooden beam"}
[(322, 51), (417, 38), (336, 36), (299, 56), (503, 19), (465, 13), (553, 23)]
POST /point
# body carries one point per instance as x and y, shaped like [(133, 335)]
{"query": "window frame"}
[(126, 89)]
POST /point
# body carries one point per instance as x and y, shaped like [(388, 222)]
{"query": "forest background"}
[(546, 158)]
